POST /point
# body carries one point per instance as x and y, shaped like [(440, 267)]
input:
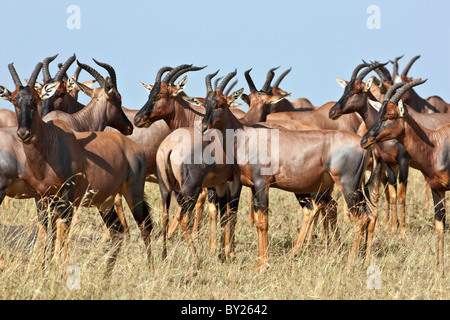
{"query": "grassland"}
[(407, 266)]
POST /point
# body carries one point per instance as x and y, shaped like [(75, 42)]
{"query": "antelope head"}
[(163, 94), (266, 96), (216, 103), (355, 90), (392, 115), (25, 100), (107, 97), (52, 103)]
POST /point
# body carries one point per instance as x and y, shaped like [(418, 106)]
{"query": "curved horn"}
[(77, 73), (35, 74), (161, 72), (392, 90), (281, 77), (409, 65), (208, 81), (97, 76), (172, 72), (357, 69), (250, 83), (45, 70), (216, 82), (370, 67), (14, 75), (182, 71), (111, 71), (59, 75), (395, 66), (269, 78), (227, 92), (225, 80), (383, 73), (405, 87), (65, 77)]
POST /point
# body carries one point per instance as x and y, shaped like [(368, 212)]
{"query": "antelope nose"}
[(24, 135)]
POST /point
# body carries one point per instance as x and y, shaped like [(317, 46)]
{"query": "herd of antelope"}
[(68, 155)]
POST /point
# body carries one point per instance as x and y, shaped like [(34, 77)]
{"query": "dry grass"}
[(407, 265)]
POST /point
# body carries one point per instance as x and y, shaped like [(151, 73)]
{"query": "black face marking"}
[(344, 99), (149, 105), (210, 109)]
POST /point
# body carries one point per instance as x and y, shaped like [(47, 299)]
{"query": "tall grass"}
[(407, 266)]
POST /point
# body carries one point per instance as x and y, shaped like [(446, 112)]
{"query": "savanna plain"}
[(404, 267)]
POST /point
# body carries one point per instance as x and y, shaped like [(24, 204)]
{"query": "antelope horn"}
[(111, 71), (370, 67), (409, 65), (14, 75), (35, 74), (45, 70), (281, 77), (63, 69), (395, 66), (250, 83), (269, 78), (172, 72), (406, 86), (208, 81), (392, 90), (231, 86), (97, 76), (160, 73), (225, 80), (65, 77), (182, 71), (357, 69), (216, 82), (77, 73)]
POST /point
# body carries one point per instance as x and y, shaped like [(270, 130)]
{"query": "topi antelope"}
[(78, 169), (428, 148)]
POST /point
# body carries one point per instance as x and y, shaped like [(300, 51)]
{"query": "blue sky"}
[(318, 39)]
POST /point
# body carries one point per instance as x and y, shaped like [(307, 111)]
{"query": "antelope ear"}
[(146, 86), (108, 86), (275, 99), (402, 109), (49, 90), (192, 100), (375, 104), (397, 79), (235, 96), (5, 94), (85, 89), (37, 86), (341, 82), (181, 85), (368, 84), (70, 84)]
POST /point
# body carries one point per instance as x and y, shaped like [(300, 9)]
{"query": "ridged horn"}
[(97, 76), (280, 78), (14, 75), (172, 72), (409, 65), (45, 69), (182, 71), (35, 74), (225, 80), (269, 78), (208, 81), (406, 86), (250, 83), (111, 71), (63, 69)]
